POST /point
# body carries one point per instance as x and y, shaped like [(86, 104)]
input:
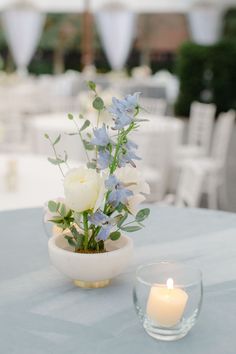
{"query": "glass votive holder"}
[(167, 298)]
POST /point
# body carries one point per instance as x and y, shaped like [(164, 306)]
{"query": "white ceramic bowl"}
[(91, 270)]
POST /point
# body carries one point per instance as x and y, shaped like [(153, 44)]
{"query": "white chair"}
[(213, 166), (199, 132), (154, 106), (189, 189)]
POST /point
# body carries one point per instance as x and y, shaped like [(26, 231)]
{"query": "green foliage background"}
[(194, 60)]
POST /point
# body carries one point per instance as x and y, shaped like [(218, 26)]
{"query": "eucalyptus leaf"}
[(46, 136), (70, 116), (142, 214), (92, 165), (115, 235), (66, 156), (91, 85), (55, 161), (81, 116), (57, 140), (70, 241), (98, 104), (77, 218), (85, 125), (121, 221), (88, 146), (52, 206), (63, 210), (131, 228)]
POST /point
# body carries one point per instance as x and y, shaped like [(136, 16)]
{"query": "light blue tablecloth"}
[(41, 312)]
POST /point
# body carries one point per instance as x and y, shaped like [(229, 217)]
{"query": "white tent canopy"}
[(140, 6)]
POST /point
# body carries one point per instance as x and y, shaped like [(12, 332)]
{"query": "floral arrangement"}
[(102, 197)]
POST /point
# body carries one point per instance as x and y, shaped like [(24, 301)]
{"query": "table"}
[(36, 181), (43, 313)]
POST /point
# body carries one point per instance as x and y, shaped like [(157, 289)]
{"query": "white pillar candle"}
[(166, 304)]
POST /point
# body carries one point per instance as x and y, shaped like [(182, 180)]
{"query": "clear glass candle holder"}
[(167, 298)]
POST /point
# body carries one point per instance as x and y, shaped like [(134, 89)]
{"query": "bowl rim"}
[(52, 246)]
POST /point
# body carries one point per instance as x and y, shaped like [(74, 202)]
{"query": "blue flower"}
[(128, 157), (104, 233), (104, 221), (98, 218), (128, 154), (112, 182), (123, 110), (104, 159), (101, 138), (118, 194)]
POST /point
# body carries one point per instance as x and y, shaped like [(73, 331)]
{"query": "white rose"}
[(133, 179), (84, 189)]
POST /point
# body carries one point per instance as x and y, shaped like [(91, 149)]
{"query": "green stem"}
[(81, 138), (55, 153), (86, 233)]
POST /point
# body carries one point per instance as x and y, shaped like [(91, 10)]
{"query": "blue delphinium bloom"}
[(118, 194), (104, 159), (123, 110), (104, 221), (98, 218), (128, 157), (112, 182), (128, 154), (101, 137), (104, 232)]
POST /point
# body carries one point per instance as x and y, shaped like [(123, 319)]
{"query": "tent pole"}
[(87, 36)]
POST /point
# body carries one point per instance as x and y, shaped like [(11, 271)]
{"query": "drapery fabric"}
[(117, 29), (23, 28), (205, 24)]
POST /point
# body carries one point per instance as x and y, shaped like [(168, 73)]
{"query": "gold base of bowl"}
[(92, 284)]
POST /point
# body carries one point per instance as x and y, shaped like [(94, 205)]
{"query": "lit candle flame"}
[(170, 283)]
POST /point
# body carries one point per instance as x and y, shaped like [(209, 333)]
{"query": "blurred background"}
[(181, 55)]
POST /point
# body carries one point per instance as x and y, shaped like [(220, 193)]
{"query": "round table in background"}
[(28, 181), (43, 313), (54, 124)]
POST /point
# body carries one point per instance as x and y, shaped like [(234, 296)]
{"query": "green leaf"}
[(98, 104), (142, 214), (55, 161), (81, 116), (63, 210), (115, 235), (92, 165), (121, 221), (52, 206), (85, 125), (77, 218), (70, 241), (57, 140), (91, 85), (71, 134), (88, 146), (131, 228), (46, 136), (65, 156), (78, 237), (70, 116)]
